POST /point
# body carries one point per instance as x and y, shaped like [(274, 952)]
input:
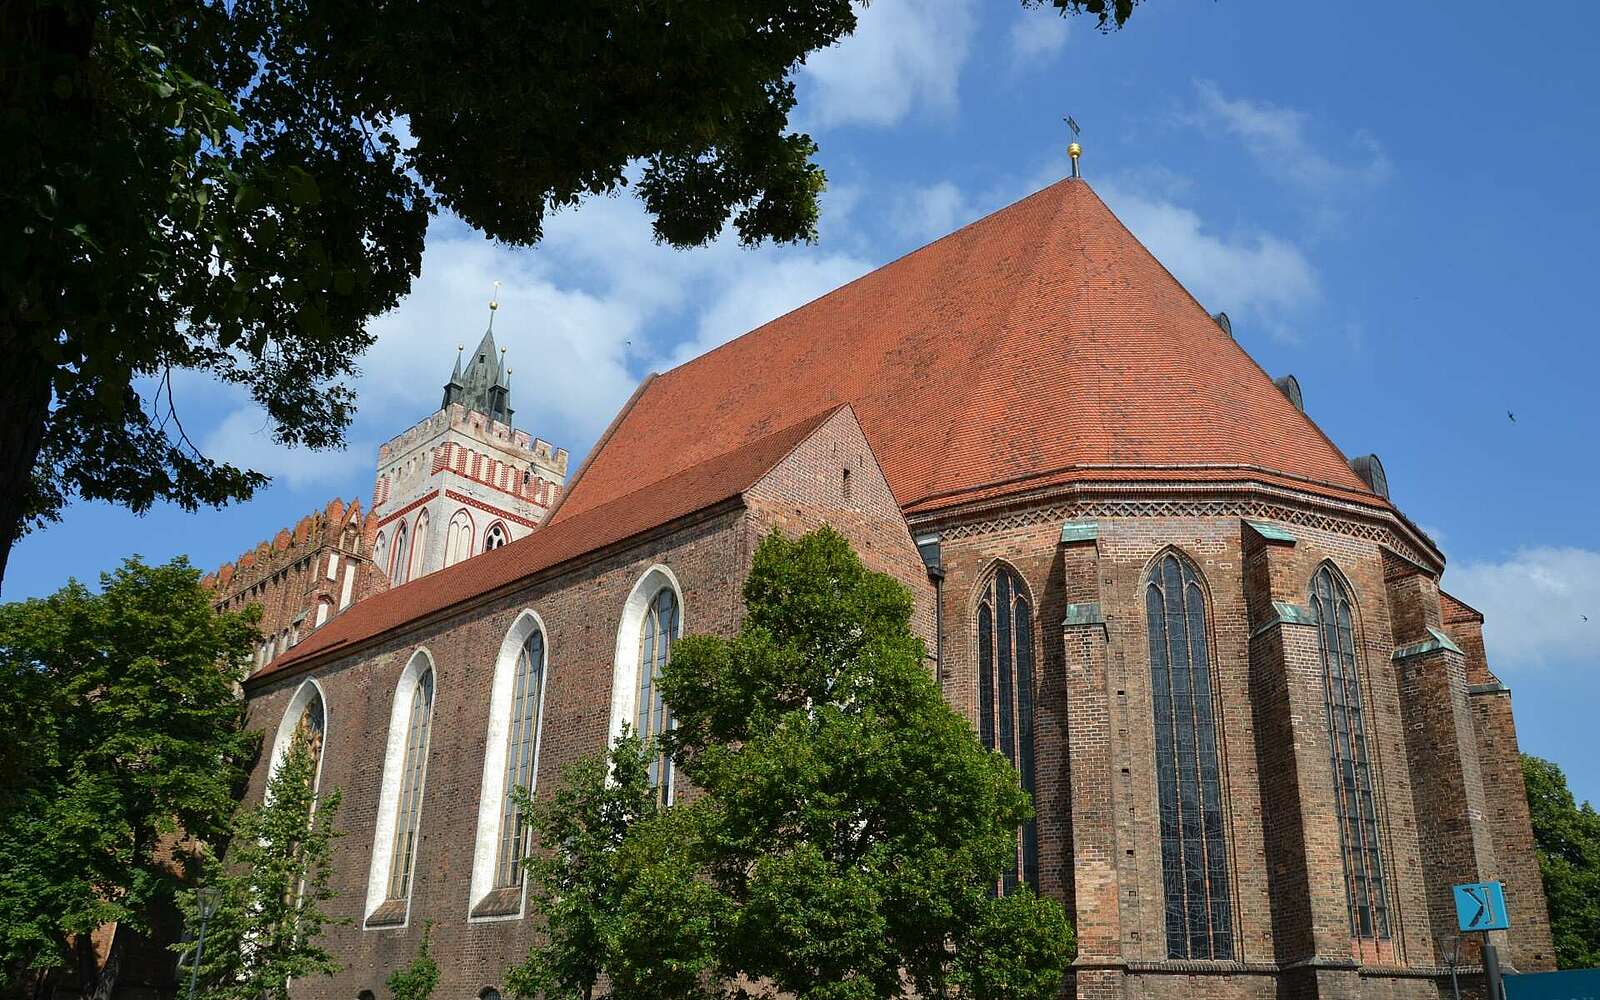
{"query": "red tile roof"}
[(685, 491), (1041, 343)]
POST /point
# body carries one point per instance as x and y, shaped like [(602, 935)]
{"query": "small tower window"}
[(844, 484), (495, 537)]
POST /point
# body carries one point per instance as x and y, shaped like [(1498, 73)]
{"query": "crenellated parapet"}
[(303, 575), (339, 526)]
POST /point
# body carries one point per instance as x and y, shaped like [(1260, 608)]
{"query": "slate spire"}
[(483, 385)]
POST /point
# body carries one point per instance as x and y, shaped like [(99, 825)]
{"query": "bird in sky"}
[(1511, 415), (1584, 617)]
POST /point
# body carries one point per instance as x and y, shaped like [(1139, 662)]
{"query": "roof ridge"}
[(1201, 306)]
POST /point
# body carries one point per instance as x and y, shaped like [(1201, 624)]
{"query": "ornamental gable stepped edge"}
[(1262, 743)]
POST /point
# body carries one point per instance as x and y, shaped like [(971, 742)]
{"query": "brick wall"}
[(1096, 796)]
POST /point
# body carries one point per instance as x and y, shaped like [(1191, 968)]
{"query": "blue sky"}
[(1397, 207)]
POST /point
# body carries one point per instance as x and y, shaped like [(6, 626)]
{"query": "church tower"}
[(464, 480)]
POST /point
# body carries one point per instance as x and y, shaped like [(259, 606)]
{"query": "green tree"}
[(417, 980), (120, 729), (266, 919), (223, 187), (855, 827), (847, 831), (1566, 836), (578, 881)]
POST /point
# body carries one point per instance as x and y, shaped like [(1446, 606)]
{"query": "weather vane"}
[(1073, 149)]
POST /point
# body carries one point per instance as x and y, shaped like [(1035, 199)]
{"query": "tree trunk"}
[(99, 984), (24, 412)]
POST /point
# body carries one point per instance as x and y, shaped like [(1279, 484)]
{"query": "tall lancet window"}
[(414, 769), (458, 538), (522, 747), (311, 728), (419, 548), (402, 556), (1365, 892), (651, 717), (306, 719), (1005, 700), (1194, 857)]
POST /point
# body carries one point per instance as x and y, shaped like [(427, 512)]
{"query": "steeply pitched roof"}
[(719, 478), (1040, 344), (484, 386)]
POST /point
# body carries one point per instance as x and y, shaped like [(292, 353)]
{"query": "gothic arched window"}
[(306, 719), (1365, 892), (419, 548), (522, 745), (414, 768), (312, 728), (402, 556), (652, 717), (495, 537), (458, 537), (1194, 859), (1005, 699)]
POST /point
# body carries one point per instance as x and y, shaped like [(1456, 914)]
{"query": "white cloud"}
[(583, 317), (927, 213), (759, 294), (1277, 137), (1257, 276), (1534, 603), (1037, 34), (904, 56), (244, 438)]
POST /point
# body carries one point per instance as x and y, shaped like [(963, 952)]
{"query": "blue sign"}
[(1574, 984), (1481, 906)]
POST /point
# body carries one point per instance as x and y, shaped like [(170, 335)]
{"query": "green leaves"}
[(1567, 840), (120, 728), (265, 899), (846, 831), (417, 980)]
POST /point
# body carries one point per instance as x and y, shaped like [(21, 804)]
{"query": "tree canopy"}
[(237, 188), (846, 831), (119, 728), (1566, 836)]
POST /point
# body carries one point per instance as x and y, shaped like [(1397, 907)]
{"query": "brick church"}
[(1261, 741)]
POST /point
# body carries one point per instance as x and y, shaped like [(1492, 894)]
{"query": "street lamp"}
[(206, 899)]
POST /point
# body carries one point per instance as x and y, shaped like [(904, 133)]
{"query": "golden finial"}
[(1073, 149), (494, 303)]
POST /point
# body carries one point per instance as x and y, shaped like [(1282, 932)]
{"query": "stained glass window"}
[(310, 727), (1365, 893), (1005, 700), (414, 768), (521, 758), (652, 717), (1194, 858)]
